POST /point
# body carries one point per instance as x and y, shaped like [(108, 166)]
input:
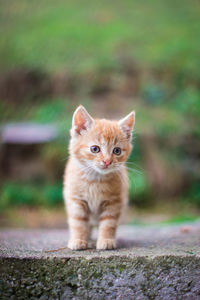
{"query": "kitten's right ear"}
[(81, 121)]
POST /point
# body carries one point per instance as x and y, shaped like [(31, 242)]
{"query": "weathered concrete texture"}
[(150, 263)]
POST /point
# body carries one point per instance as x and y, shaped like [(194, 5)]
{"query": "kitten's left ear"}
[(127, 124), (81, 121)]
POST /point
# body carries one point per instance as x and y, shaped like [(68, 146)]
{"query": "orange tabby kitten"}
[(95, 180)]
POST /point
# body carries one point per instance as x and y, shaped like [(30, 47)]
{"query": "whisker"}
[(121, 178), (133, 170), (132, 163), (88, 169), (130, 167)]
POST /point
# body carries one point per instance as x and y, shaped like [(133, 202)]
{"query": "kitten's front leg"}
[(78, 218), (108, 222)]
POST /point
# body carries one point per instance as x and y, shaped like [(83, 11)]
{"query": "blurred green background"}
[(112, 57)]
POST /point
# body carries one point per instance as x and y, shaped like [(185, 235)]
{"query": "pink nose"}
[(107, 162)]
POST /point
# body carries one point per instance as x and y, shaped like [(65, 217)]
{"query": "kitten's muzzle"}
[(106, 163)]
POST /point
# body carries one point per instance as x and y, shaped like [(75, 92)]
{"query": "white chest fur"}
[(94, 195)]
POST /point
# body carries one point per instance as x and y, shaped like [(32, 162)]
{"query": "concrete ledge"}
[(150, 263)]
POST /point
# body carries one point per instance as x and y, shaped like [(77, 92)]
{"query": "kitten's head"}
[(99, 144)]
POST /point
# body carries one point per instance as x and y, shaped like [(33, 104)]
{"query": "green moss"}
[(74, 277)]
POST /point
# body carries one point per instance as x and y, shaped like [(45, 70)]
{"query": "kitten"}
[(95, 180)]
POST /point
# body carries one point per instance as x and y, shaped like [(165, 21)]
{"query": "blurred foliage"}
[(193, 194), (154, 94), (175, 219), (80, 36), (187, 102), (181, 219), (18, 194), (139, 191), (43, 111)]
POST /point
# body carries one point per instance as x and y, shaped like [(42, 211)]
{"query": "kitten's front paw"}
[(76, 244), (106, 244)]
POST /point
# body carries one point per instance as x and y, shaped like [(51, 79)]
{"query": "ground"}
[(151, 262)]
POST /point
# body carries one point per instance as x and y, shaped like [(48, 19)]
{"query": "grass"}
[(175, 220), (85, 35), (81, 36), (30, 195), (178, 219)]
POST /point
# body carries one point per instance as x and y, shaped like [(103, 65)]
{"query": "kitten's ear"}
[(127, 124), (81, 121)]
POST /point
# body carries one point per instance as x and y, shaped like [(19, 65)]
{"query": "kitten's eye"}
[(95, 149), (117, 151)]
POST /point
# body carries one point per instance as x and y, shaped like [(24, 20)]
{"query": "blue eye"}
[(95, 149), (117, 151)]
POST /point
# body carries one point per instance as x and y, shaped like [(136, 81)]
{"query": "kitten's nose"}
[(107, 163)]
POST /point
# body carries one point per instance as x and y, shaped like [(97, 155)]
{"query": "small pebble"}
[(186, 229)]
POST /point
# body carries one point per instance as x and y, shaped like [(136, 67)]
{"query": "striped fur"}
[(95, 193)]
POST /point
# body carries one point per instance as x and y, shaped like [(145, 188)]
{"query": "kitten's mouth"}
[(105, 167)]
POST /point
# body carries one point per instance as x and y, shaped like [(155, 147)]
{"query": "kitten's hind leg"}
[(78, 220)]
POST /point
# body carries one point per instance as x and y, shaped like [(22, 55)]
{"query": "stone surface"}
[(157, 262)]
